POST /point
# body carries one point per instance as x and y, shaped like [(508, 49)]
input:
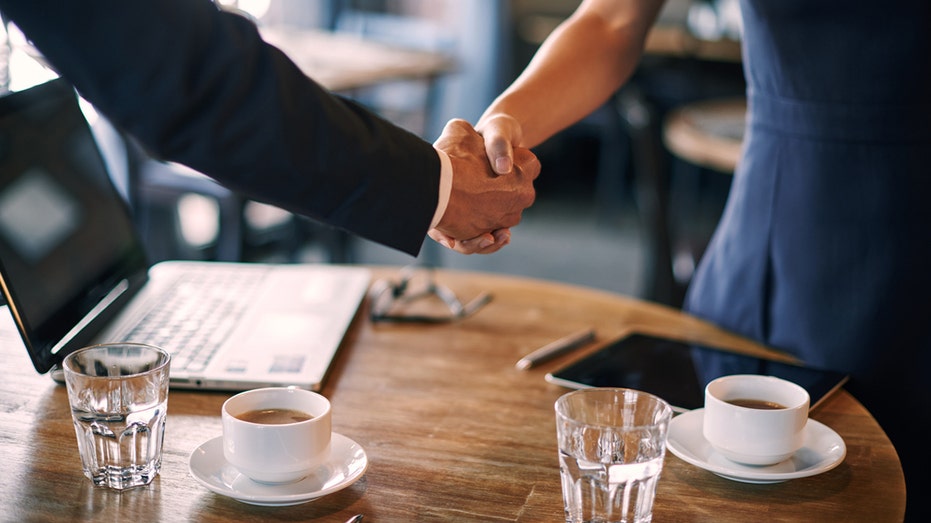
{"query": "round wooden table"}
[(451, 429), (708, 133)]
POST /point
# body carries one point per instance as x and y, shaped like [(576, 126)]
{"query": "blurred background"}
[(627, 198)]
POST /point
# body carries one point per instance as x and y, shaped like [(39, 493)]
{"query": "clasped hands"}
[(492, 185)]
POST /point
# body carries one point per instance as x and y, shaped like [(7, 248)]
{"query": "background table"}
[(342, 62), (707, 133), (452, 430)]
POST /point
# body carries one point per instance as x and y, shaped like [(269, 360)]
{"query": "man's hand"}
[(482, 205)]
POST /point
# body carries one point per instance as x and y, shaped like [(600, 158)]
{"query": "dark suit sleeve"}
[(198, 86)]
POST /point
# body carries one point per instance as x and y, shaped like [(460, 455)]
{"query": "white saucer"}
[(822, 450), (346, 464)]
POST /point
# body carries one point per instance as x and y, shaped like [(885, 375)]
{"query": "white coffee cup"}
[(282, 450), (739, 426)]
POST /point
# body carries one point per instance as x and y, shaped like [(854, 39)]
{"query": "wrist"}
[(499, 119), (446, 187)]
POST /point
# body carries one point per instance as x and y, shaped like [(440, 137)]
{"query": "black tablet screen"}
[(678, 372)]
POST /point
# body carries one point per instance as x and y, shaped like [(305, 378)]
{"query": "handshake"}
[(492, 184)]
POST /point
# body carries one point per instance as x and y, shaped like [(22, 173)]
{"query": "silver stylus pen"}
[(560, 346)]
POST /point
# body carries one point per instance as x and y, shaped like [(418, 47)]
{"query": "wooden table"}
[(707, 133), (676, 41), (343, 62), (452, 430)]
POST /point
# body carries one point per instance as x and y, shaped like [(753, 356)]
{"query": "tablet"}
[(678, 372)]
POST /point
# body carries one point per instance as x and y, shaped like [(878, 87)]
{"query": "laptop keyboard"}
[(198, 314)]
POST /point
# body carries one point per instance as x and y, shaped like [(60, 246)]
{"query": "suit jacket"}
[(200, 87)]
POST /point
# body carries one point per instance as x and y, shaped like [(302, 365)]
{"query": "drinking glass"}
[(119, 397), (611, 448)]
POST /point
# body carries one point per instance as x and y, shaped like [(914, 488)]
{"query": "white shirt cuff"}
[(446, 187)]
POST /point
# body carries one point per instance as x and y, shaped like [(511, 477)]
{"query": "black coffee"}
[(274, 416), (756, 404)]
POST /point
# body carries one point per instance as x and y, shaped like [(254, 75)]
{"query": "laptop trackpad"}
[(284, 341)]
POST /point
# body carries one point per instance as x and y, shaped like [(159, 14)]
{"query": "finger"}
[(502, 237), (455, 130), (442, 239), (527, 162), (500, 154), (499, 145), (475, 245), (478, 243)]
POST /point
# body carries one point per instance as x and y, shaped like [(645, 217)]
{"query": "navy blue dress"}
[(824, 248)]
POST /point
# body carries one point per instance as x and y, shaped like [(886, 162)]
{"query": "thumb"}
[(501, 133), (500, 153)]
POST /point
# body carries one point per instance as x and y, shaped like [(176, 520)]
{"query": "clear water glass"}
[(612, 443), (118, 394)]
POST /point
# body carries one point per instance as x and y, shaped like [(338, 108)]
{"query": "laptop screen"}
[(66, 239)]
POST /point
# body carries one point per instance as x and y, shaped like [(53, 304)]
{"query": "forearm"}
[(579, 66)]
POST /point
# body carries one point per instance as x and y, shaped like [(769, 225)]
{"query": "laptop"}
[(73, 270)]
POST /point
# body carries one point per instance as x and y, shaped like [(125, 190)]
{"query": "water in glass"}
[(119, 399), (611, 448), (121, 450)]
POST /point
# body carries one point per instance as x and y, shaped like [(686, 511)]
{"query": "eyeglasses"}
[(389, 299)]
